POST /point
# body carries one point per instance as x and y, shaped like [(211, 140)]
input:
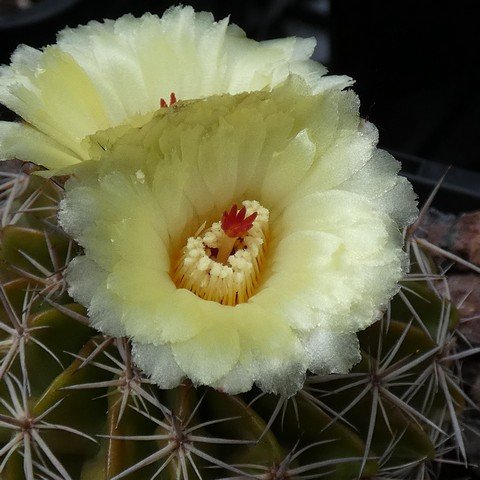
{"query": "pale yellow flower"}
[(107, 74), (227, 302), (308, 250)]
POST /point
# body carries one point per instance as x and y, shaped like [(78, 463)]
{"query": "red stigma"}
[(234, 223), (164, 104)]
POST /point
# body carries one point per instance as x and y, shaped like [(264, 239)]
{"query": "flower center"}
[(223, 263)]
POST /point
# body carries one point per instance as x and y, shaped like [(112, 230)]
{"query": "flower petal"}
[(331, 352), (158, 362), (378, 181), (208, 356), (329, 251), (22, 141), (84, 278)]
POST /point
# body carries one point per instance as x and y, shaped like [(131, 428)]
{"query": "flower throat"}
[(223, 263)]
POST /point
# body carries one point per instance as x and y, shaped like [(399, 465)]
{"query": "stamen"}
[(224, 263)]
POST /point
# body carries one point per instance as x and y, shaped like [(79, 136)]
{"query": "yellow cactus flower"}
[(118, 72), (238, 222), (240, 238)]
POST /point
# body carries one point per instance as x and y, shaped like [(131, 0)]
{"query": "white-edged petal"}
[(209, 355), (88, 285), (330, 352), (159, 363)]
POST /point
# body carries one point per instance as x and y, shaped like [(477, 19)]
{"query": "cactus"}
[(74, 406)]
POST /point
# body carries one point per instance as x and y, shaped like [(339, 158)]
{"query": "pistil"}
[(225, 248), (173, 100), (234, 225)]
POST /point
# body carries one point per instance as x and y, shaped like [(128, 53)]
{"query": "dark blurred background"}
[(416, 65)]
